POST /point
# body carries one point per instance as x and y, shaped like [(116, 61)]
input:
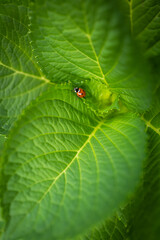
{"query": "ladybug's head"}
[(76, 89)]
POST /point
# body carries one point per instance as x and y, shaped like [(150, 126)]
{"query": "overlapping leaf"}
[(145, 24), (65, 169), (20, 77), (77, 41), (114, 228), (145, 212)]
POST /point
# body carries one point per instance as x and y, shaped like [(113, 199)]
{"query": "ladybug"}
[(80, 92)]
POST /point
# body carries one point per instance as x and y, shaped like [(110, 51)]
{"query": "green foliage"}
[(79, 168), (2, 140), (145, 223), (145, 19), (21, 80), (77, 41), (114, 228), (145, 210), (77, 159)]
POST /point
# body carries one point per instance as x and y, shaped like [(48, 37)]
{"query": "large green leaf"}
[(20, 78), (79, 41), (66, 169), (145, 24)]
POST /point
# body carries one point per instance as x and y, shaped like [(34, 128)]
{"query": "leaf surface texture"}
[(63, 164)]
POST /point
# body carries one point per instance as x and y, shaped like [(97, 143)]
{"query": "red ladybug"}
[(80, 92)]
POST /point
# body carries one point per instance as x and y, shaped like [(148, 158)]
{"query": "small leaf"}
[(99, 98), (65, 169)]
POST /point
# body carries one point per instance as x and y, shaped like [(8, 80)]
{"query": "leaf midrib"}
[(76, 156), (63, 172), (26, 74), (88, 35)]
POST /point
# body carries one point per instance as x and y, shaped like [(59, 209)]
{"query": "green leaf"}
[(152, 118), (21, 80), (65, 169), (114, 228), (1, 222), (145, 24), (79, 41), (145, 208), (2, 140), (99, 98)]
